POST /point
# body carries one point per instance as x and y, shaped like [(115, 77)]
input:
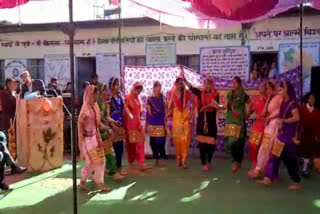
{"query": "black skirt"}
[(211, 124)]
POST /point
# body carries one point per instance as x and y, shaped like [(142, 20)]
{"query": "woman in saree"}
[(285, 147), (134, 131), (181, 132), (90, 143), (310, 136), (235, 130), (206, 123), (156, 122), (257, 106), (107, 135), (116, 109), (271, 114)]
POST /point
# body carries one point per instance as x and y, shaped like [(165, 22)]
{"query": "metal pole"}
[(301, 51), (120, 46), (73, 122)]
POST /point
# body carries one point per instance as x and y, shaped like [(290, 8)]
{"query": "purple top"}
[(116, 109), (157, 106), (288, 130)]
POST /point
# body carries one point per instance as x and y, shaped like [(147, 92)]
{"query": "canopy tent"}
[(210, 14), (12, 3), (5, 4)]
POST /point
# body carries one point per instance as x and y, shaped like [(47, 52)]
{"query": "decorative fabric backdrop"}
[(166, 75)]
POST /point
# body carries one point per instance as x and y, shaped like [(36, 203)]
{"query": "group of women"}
[(107, 120)]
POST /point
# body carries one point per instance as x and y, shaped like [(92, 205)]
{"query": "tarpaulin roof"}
[(210, 14), (13, 3)]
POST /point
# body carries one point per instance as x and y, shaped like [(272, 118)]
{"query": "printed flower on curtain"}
[(47, 135)]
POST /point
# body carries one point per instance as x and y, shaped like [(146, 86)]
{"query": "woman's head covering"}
[(272, 84), (136, 85), (290, 89), (211, 95), (112, 81), (211, 82), (88, 93)]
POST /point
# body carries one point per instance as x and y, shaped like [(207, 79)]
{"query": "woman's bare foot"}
[(185, 166), (266, 181), (236, 167), (118, 176), (294, 186), (103, 188), (164, 163), (145, 167), (254, 174), (179, 164), (156, 163), (83, 186), (123, 172), (205, 168)]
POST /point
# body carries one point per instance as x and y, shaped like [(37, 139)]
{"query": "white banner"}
[(57, 66), (289, 58), (13, 67), (225, 62), (161, 54), (108, 65)]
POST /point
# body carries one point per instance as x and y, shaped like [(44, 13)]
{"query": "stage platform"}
[(163, 190)]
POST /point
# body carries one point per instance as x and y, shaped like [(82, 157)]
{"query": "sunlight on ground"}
[(197, 194), (204, 184), (36, 189), (194, 197), (52, 173), (316, 203), (144, 196), (117, 194)]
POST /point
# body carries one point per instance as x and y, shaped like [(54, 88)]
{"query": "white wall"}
[(281, 27), (183, 47)]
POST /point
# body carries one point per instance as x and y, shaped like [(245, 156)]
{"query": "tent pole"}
[(120, 46), (71, 32), (301, 51)]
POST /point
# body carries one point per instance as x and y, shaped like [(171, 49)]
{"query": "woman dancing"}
[(157, 123), (134, 131), (271, 113), (107, 135), (178, 109), (90, 143), (116, 110), (285, 147), (206, 122), (235, 130), (257, 106)]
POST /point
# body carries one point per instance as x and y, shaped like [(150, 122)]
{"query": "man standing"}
[(8, 102), (31, 85), (53, 87)]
